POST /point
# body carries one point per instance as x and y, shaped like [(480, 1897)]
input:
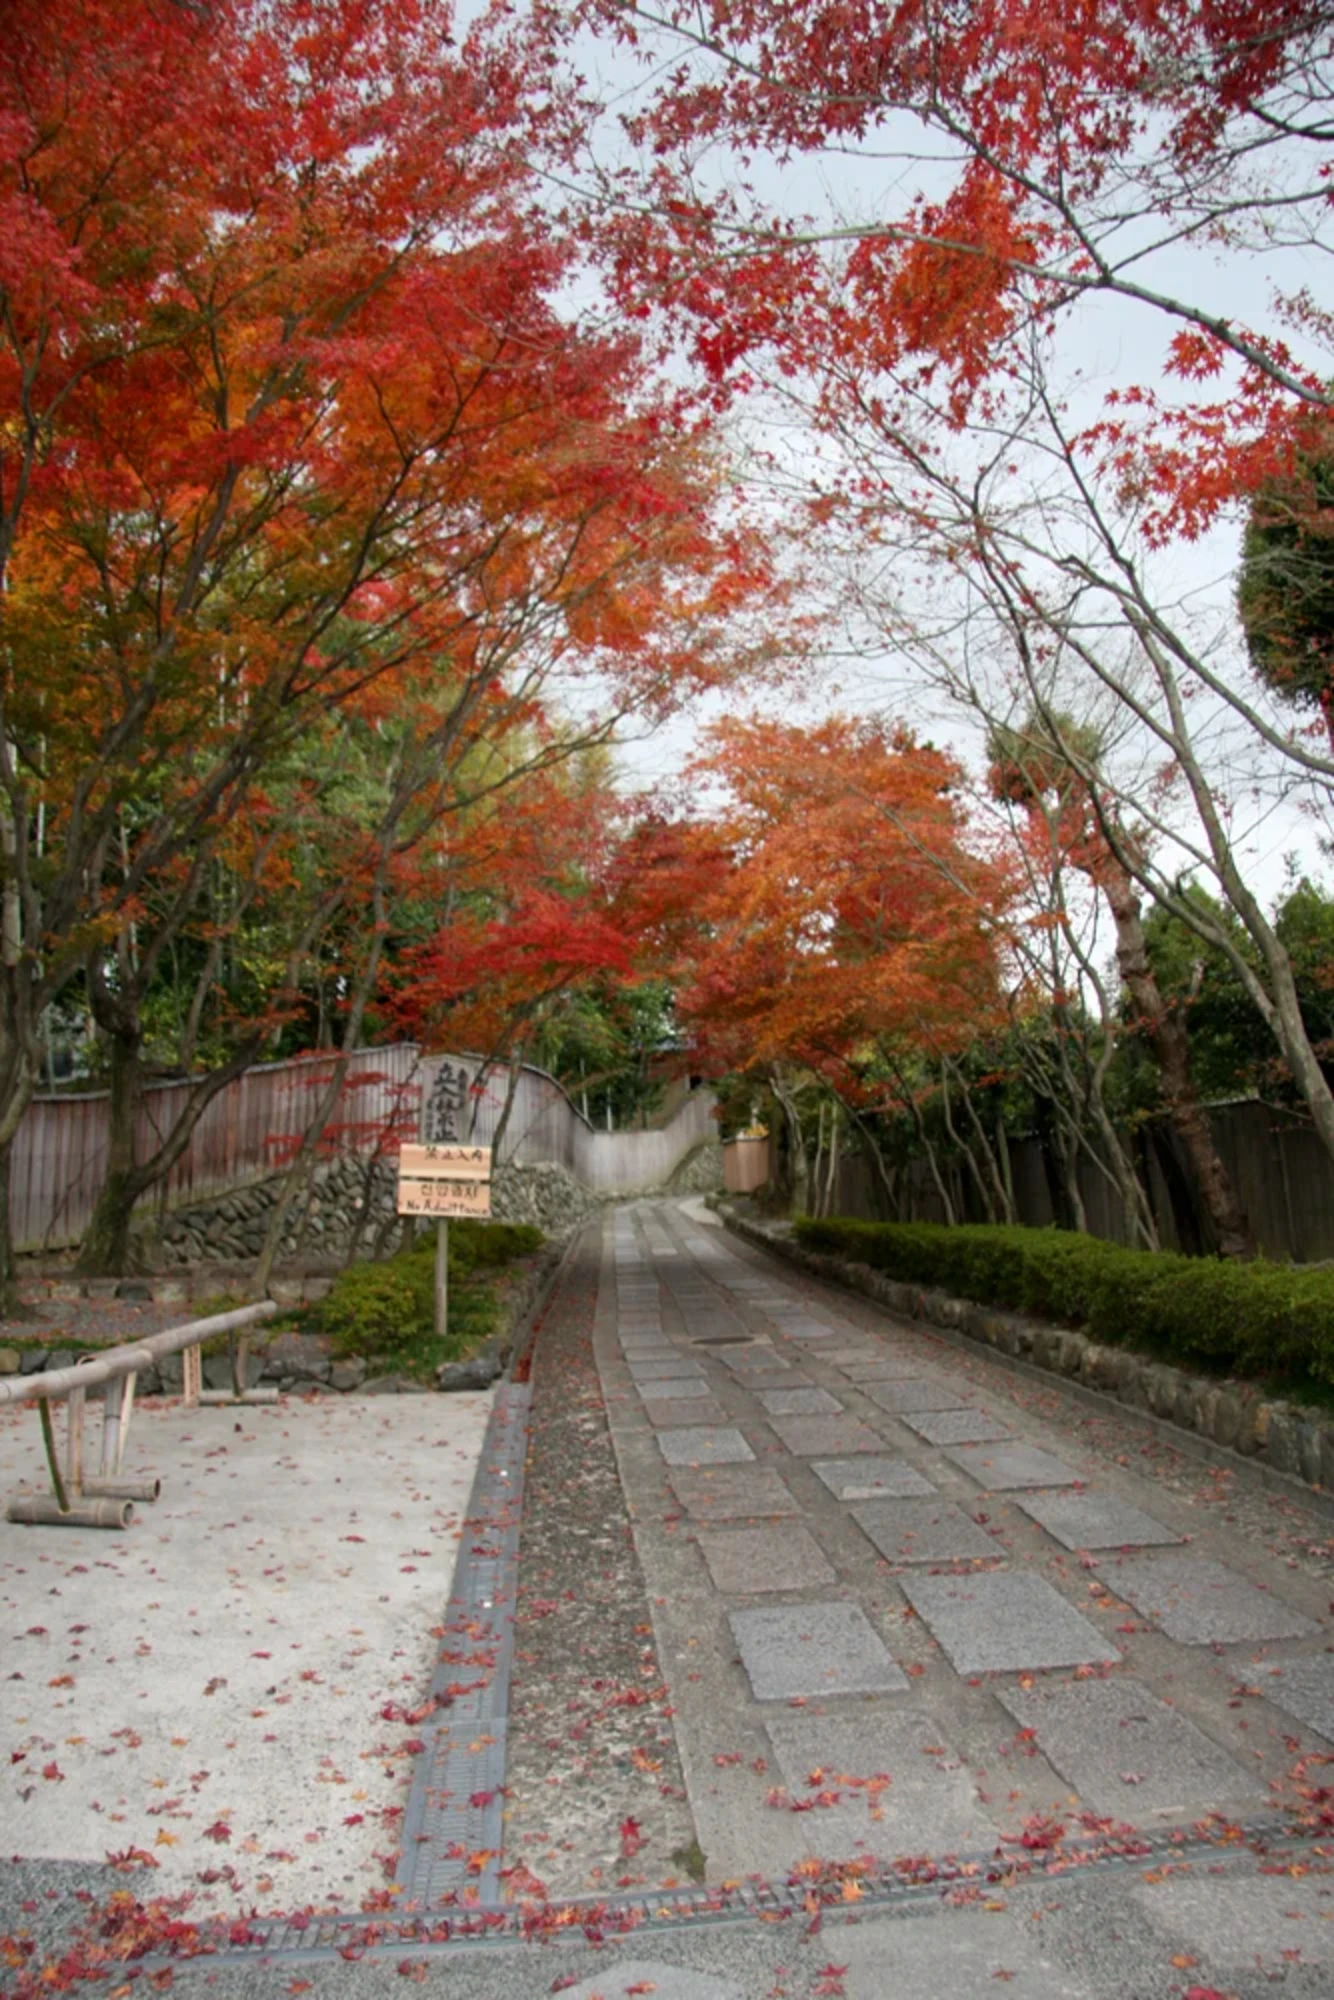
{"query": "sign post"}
[(444, 1180)]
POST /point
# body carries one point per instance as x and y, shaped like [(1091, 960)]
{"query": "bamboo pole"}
[(54, 1383)]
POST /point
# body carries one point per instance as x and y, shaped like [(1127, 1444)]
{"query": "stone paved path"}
[(903, 1615), (913, 1609)]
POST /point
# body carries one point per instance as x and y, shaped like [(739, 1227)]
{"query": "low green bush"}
[(1267, 1322), (387, 1309)]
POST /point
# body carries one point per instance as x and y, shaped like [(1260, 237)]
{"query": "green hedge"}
[(387, 1308), (1268, 1322)]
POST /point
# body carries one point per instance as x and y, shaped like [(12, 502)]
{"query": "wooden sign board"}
[(444, 1181), (445, 1163)]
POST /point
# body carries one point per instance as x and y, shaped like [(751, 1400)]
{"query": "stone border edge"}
[(1229, 1423)]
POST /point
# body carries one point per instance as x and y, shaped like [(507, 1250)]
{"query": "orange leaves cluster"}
[(838, 902)]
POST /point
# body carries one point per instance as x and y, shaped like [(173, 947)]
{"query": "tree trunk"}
[(105, 1248), (799, 1165), (1165, 1031)]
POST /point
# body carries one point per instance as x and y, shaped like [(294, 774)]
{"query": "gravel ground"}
[(596, 1799)]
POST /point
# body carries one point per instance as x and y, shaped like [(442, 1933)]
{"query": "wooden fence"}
[(253, 1127), (1283, 1176)]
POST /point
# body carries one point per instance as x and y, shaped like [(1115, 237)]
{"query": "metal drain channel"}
[(488, 1922), (456, 1805)]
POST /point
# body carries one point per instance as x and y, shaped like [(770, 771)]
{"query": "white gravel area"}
[(223, 1694)]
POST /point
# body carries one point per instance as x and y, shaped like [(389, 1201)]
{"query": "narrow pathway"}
[(852, 1665), (902, 1614)]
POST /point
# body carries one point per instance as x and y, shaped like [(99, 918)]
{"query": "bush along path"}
[(1134, 1324)]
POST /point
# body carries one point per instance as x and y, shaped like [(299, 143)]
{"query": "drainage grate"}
[(453, 1820), (476, 1917)]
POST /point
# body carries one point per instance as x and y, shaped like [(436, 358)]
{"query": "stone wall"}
[(1234, 1415), (348, 1192)]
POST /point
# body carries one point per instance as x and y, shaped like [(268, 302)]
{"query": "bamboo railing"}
[(105, 1498)]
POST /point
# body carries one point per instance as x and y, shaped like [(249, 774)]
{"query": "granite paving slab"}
[(1126, 1752), (761, 1359), (666, 1364), (794, 1651), (887, 1783), (1003, 1468), (1094, 1521), (704, 1444), (650, 1975), (998, 1622), (957, 1426), (1304, 1689), (914, 1392), (974, 1955), (673, 1389), (732, 1492), (826, 1437), (1202, 1603), (882, 1368), (871, 1478), (926, 1531), (745, 1560), (680, 1412), (800, 1402), (1247, 1928)]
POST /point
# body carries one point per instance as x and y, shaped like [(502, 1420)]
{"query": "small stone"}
[(345, 1375), (32, 1360), (11, 1362), (477, 1371), (393, 1385)]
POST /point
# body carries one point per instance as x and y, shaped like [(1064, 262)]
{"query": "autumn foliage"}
[(837, 901)]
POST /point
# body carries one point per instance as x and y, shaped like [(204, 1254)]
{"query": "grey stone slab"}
[(679, 1412), (675, 1390), (799, 1402), (666, 1371), (752, 1560), (758, 1360), (969, 1955), (650, 1975), (1004, 1468), (926, 1531), (887, 1783), (914, 1392), (877, 1368), (1202, 1603), (1094, 1521), (958, 1426), (1245, 1926), (1127, 1753), (733, 1492), (871, 1478), (704, 1444), (1305, 1690), (826, 1437), (996, 1622), (795, 1650)]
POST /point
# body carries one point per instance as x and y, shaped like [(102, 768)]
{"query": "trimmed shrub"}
[(387, 1309), (1263, 1321)]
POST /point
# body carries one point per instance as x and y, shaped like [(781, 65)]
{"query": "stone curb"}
[(1232, 1421)]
